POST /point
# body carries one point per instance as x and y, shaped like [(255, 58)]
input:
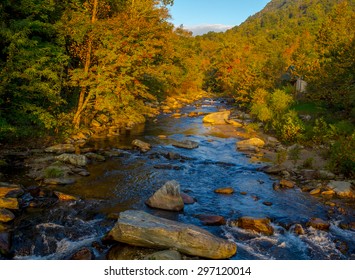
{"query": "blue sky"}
[(201, 16)]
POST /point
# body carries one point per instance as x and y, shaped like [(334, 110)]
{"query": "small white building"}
[(301, 86)]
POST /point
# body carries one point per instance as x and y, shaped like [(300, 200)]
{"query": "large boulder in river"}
[(217, 118), (142, 229), (77, 160), (342, 189), (167, 197), (251, 144), (61, 148), (260, 225)]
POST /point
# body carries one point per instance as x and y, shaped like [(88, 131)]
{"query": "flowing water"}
[(125, 182)]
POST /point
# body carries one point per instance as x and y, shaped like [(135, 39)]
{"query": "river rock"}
[(315, 191), (95, 157), (251, 144), (298, 229), (287, 184), (142, 146), (9, 203), (142, 229), (187, 199), (77, 160), (65, 197), (227, 190), (167, 197), (6, 215), (342, 189), (82, 254), (165, 255), (10, 190), (260, 225), (318, 223), (217, 118), (211, 220), (61, 148), (186, 144), (59, 181), (5, 243), (273, 170)]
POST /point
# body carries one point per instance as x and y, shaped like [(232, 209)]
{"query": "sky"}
[(202, 16)]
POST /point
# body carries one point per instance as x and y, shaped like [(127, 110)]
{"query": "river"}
[(126, 181)]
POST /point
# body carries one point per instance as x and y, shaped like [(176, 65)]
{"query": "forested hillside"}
[(81, 65)]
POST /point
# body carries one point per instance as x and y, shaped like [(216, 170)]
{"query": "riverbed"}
[(58, 230)]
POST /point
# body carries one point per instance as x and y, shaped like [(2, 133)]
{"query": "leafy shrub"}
[(308, 163), (289, 128), (342, 156), (281, 156)]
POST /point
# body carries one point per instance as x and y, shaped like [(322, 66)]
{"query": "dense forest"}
[(81, 66)]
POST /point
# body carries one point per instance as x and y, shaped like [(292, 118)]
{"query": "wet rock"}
[(127, 252), (267, 203), (65, 197), (287, 184), (328, 194), (315, 191), (193, 114), (82, 254), (9, 203), (250, 145), (176, 115), (113, 153), (211, 220), (5, 243), (318, 223), (342, 189), (217, 118), (59, 181), (142, 146), (10, 190), (227, 190), (173, 156), (165, 255), (61, 148), (77, 160), (234, 123), (187, 199), (260, 225), (95, 157), (6, 215), (273, 170), (167, 197), (297, 229), (186, 144), (142, 229)]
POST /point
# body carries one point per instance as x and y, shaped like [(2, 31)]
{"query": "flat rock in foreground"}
[(142, 229)]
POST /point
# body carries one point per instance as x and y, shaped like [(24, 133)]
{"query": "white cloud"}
[(205, 28)]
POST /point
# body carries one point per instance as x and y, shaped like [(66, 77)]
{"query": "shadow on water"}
[(126, 182)]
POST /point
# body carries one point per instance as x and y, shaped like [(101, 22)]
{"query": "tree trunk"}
[(84, 97)]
